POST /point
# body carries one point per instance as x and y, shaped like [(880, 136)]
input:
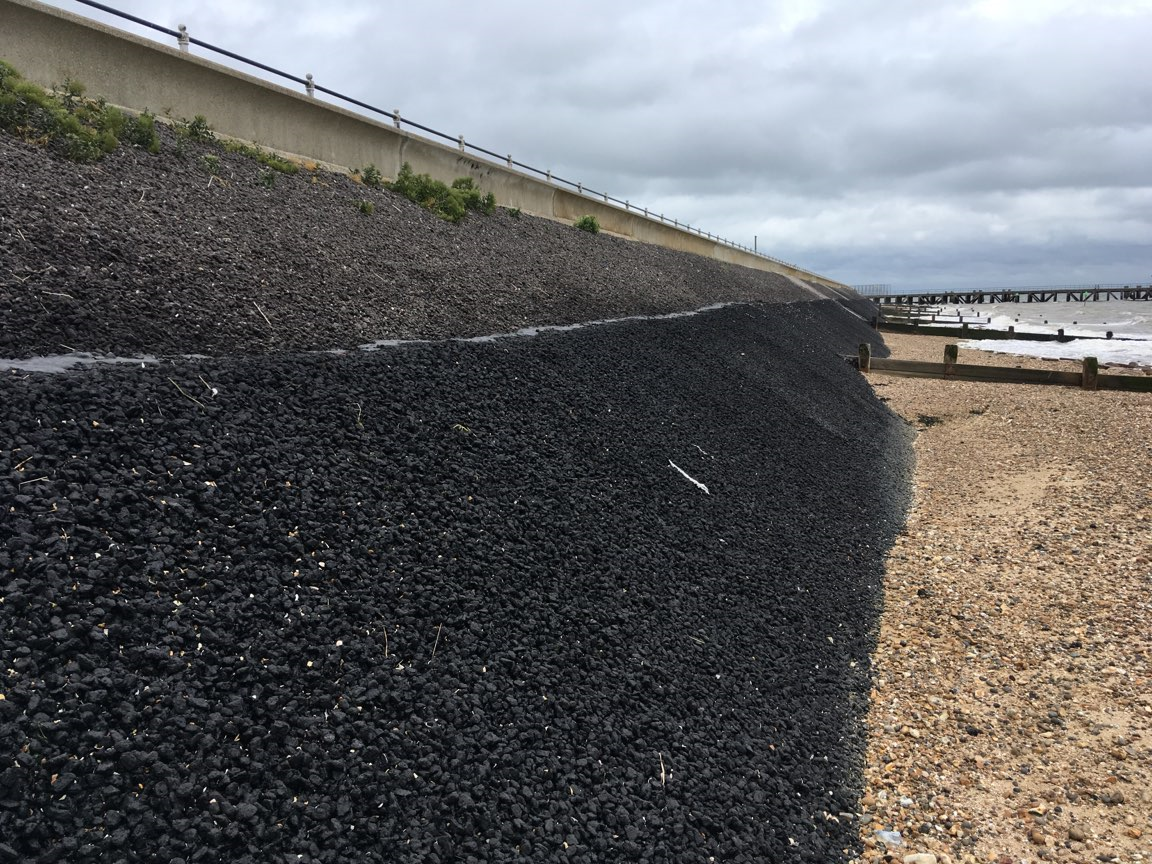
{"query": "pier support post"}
[(865, 357), (1090, 373)]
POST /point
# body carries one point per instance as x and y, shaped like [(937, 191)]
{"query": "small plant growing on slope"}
[(139, 131), (66, 122), (588, 223), (210, 163), (470, 196), (366, 207), (196, 129), (268, 160), (451, 203), (371, 176)]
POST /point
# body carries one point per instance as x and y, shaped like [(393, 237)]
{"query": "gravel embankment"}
[(447, 601), (154, 254)]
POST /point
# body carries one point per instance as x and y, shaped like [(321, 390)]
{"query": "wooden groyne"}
[(1088, 378)]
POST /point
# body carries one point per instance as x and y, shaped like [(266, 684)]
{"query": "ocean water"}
[(1130, 322)]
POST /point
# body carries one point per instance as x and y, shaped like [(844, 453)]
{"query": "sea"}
[(1129, 321)]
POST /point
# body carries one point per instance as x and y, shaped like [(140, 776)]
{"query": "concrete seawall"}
[(48, 46)]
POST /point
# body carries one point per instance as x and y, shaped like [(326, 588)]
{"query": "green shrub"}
[(196, 129), (40, 117), (71, 95), (66, 122), (366, 207), (210, 163), (268, 160), (266, 177), (451, 203), (372, 177), (514, 212), (140, 131), (589, 224)]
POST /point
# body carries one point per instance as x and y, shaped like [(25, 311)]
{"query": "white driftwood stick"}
[(690, 479)]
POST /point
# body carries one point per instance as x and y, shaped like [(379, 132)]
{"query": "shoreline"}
[(1010, 717)]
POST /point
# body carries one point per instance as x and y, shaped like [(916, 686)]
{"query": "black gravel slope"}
[(447, 602), (152, 254)]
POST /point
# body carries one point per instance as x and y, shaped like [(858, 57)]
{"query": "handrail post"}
[(460, 140), (310, 87), (182, 40), (396, 117)]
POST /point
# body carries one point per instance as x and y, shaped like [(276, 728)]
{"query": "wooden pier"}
[(1016, 295)]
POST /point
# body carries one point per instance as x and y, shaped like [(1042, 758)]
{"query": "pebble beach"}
[(1011, 713)]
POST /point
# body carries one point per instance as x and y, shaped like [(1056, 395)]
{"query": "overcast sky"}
[(919, 143)]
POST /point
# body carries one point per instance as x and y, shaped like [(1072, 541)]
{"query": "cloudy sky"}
[(917, 143)]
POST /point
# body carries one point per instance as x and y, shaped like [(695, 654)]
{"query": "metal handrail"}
[(184, 40)]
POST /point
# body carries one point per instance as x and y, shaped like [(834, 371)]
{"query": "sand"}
[(1011, 717)]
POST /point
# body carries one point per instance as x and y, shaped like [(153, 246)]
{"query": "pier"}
[(1078, 294)]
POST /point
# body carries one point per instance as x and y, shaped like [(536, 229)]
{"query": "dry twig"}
[(185, 393), (262, 315)]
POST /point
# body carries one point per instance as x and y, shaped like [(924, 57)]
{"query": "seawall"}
[(49, 46)]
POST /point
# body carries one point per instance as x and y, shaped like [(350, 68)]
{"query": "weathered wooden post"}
[(1089, 374), (865, 357), (951, 354)]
